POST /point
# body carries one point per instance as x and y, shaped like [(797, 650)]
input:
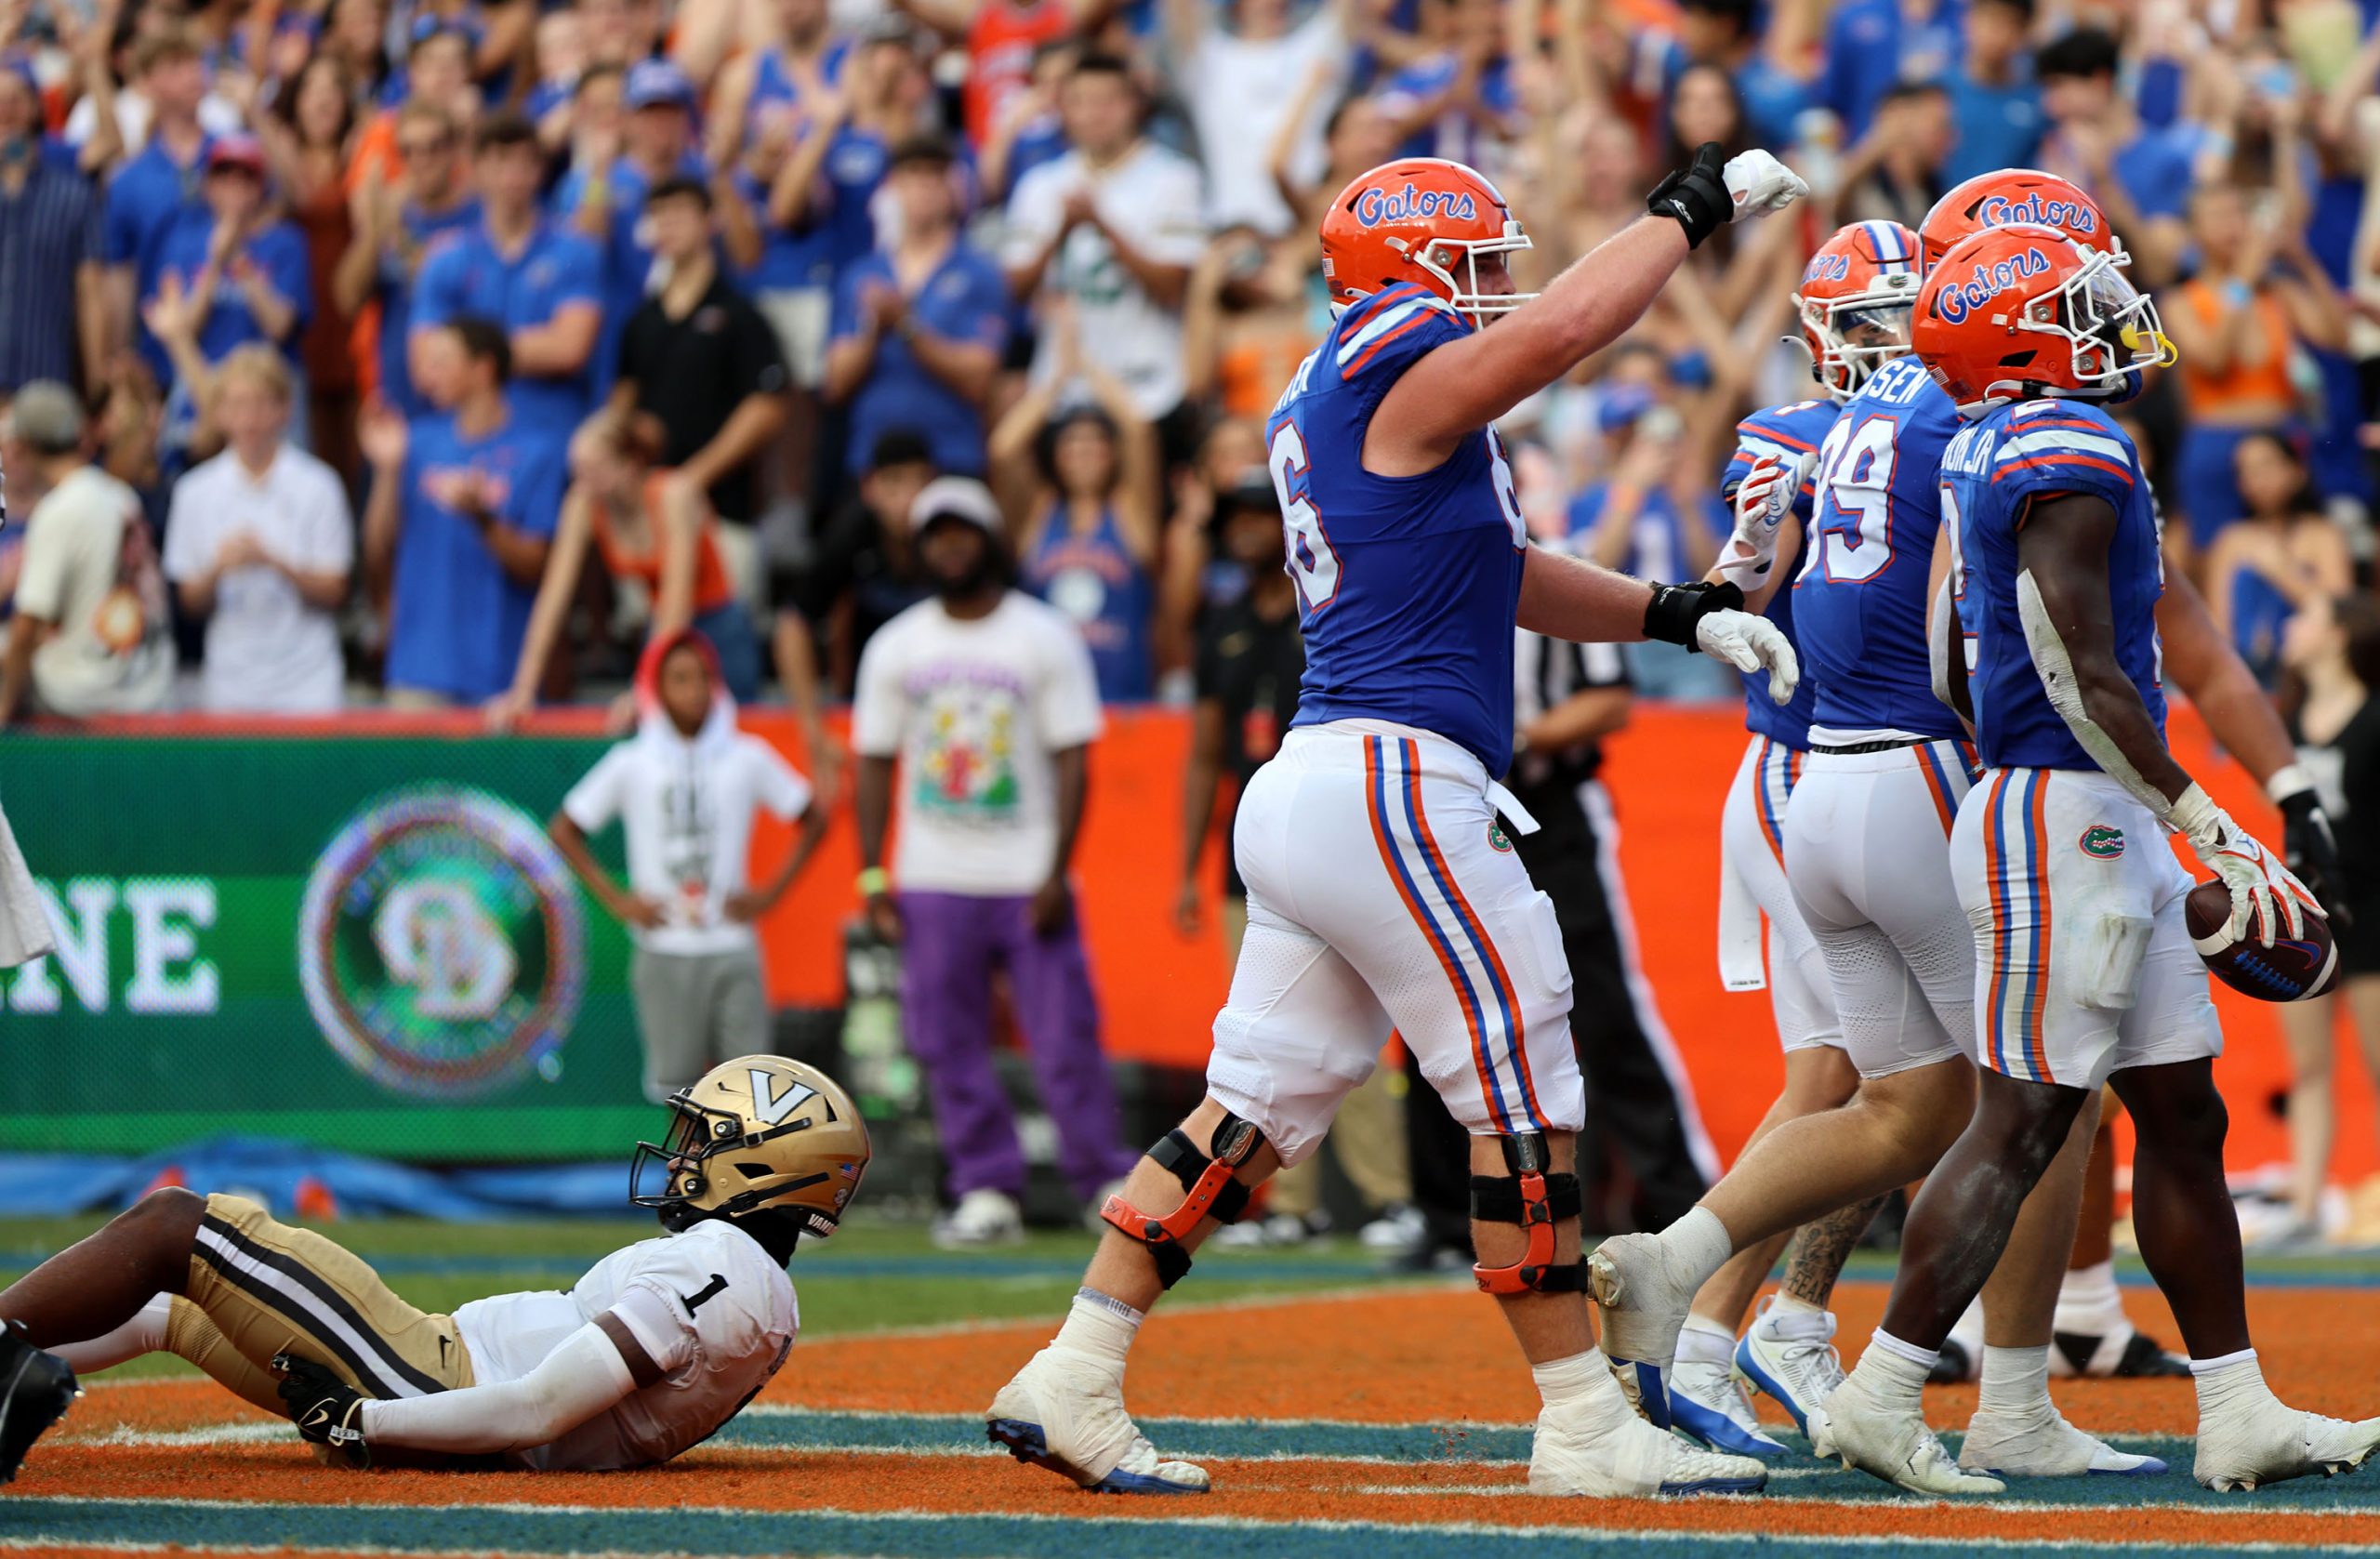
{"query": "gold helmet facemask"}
[(755, 1136)]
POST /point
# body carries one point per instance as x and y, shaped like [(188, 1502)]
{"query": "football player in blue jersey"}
[(1853, 304), (1383, 890), (2086, 972)]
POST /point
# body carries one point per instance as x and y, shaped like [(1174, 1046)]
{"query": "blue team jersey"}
[(1789, 434), (1992, 472), (1407, 585), (1861, 599), (466, 273)]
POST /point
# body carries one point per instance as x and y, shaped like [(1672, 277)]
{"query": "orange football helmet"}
[(1862, 280), (2024, 313), (1992, 199), (1416, 220)]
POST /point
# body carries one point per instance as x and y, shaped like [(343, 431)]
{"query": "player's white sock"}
[(2016, 1384), (2088, 1303), (1100, 1324), (1700, 1243), (1581, 1383), (1894, 1371), (1703, 1340), (1786, 1304), (145, 1333), (2231, 1385)]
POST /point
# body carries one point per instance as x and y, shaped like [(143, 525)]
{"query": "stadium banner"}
[(353, 932)]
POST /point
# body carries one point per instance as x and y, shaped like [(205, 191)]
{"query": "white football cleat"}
[(1708, 1402), (1642, 1304), (2031, 1445), (2245, 1451), (1896, 1447), (1789, 1355), (1608, 1457), (1065, 1410), (983, 1216)]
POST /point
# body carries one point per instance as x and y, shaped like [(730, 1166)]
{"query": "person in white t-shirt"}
[(1242, 83), (261, 542), (984, 699), (89, 636), (1114, 225), (659, 1344), (685, 789)]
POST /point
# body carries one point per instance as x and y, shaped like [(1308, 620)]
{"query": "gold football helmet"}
[(753, 1135)]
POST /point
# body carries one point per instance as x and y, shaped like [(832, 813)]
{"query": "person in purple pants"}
[(986, 699)]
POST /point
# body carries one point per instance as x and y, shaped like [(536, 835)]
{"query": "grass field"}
[(1342, 1415)]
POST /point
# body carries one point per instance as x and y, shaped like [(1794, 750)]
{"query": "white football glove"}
[(2261, 887), (1759, 183), (1762, 501), (1750, 643)]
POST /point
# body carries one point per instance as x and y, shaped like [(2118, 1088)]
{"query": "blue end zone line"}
[(524, 1529)]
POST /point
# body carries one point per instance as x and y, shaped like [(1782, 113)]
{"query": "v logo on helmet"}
[(1957, 300), (771, 1107)]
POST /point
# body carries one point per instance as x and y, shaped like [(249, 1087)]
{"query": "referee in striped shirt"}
[(50, 220), (1644, 1158)]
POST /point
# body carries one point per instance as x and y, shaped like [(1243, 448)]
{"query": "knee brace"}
[(1209, 1191), (1535, 1200)]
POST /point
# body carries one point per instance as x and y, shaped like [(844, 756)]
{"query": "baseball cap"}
[(658, 84), (956, 497), (46, 417), (236, 151)]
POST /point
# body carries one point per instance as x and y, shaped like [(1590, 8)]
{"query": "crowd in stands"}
[(440, 351)]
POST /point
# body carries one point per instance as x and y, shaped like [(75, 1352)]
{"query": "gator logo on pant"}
[(1497, 839), (2101, 842)]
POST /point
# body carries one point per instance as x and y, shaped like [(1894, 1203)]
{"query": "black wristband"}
[(1696, 195), (1676, 608)]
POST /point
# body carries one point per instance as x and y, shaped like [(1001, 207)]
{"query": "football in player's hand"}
[(2290, 969)]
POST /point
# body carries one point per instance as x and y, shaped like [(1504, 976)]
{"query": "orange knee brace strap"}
[(1535, 1201), (1209, 1191)]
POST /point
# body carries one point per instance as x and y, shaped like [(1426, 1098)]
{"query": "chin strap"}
[(1209, 1191), (1535, 1200)]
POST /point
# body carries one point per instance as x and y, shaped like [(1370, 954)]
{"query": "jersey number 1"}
[(1312, 562)]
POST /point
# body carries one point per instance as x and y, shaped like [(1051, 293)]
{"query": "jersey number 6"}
[(1312, 562)]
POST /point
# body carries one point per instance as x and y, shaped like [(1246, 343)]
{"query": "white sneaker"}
[(1643, 1301), (1276, 1231), (2032, 1446), (981, 1218), (1604, 1456), (2245, 1451), (1393, 1232), (1790, 1355), (1709, 1402), (1895, 1446), (1065, 1410)]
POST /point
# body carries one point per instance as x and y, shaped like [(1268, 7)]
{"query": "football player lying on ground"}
[(659, 1344)]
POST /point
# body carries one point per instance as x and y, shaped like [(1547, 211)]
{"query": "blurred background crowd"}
[(449, 351)]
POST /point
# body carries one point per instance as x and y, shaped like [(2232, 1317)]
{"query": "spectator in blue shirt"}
[(1726, 34), (538, 280), (1461, 100), (153, 190), (50, 249), (1874, 45), (396, 226), (240, 266), (602, 197), (1992, 95), (2140, 175), (919, 327), (462, 513)]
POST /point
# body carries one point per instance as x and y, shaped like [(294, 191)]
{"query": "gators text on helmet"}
[(1425, 221), (2022, 311)]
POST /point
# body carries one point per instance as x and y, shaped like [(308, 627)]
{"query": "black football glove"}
[(2312, 853), (327, 1410), (1696, 195)]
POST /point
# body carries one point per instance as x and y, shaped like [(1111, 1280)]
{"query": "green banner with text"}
[(364, 941)]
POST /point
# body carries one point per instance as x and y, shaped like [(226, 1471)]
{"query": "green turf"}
[(869, 1277)]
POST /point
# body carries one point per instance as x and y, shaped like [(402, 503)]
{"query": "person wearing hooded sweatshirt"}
[(685, 788)]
